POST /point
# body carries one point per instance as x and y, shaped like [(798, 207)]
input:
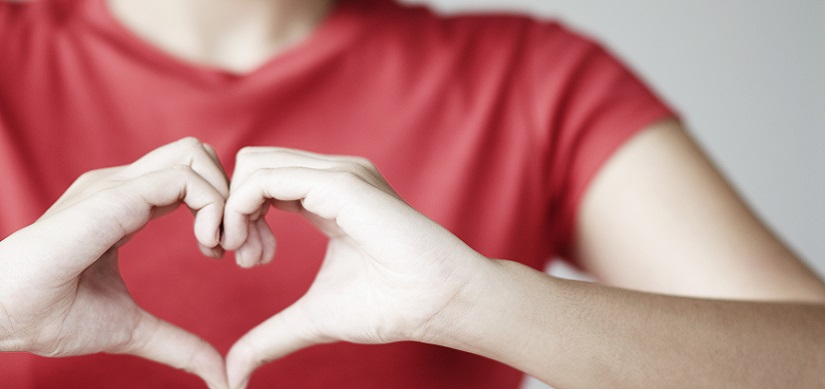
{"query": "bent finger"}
[(126, 208), (321, 192), (250, 159), (90, 228), (183, 185), (249, 254), (187, 151)]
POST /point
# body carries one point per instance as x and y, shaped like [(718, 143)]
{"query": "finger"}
[(249, 254), (90, 228), (280, 335), (267, 240), (214, 155), (284, 185), (76, 190), (211, 252), (187, 151), (250, 159), (208, 203), (338, 203), (128, 207), (159, 341), (258, 246)]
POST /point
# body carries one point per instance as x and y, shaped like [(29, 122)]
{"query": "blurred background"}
[(748, 77)]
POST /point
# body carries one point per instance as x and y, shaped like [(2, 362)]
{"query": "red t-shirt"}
[(491, 125)]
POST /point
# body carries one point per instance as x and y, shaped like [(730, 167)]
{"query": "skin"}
[(236, 36), (568, 334), (754, 316), (60, 275)]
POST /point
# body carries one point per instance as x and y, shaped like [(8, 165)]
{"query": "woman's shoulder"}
[(483, 32)]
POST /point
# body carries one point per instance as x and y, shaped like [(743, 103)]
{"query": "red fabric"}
[(491, 125)]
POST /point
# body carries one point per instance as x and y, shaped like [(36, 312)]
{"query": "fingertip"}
[(244, 257), (208, 221), (268, 242), (216, 252), (251, 252), (234, 231), (239, 257), (215, 174)]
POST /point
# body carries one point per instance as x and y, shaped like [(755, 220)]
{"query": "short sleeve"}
[(596, 104)]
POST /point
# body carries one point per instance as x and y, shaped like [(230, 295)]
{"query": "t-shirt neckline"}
[(332, 35)]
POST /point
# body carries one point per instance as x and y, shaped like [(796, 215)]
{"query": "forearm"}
[(574, 335)]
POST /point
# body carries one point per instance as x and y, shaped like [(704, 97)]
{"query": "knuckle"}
[(364, 163), (255, 150), (248, 150), (246, 157), (209, 148), (91, 182), (182, 170), (360, 166), (260, 174), (348, 179), (190, 147), (92, 176), (115, 197), (87, 177), (189, 142)]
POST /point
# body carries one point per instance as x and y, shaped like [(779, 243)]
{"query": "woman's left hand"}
[(389, 272)]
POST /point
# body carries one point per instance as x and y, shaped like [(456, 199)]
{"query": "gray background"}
[(748, 77)]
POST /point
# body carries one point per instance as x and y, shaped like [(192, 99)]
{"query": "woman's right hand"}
[(61, 292)]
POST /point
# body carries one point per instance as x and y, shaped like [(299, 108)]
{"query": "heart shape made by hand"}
[(388, 274)]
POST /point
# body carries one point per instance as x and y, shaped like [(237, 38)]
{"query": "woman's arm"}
[(579, 335), (659, 218), (390, 274)]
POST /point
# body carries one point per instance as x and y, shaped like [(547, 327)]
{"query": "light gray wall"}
[(749, 78)]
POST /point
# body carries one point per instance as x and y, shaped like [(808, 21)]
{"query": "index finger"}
[(189, 152)]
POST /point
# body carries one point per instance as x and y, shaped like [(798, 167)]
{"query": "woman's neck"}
[(234, 35)]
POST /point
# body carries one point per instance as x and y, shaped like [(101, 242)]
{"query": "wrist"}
[(454, 295), (507, 312), (461, 324)]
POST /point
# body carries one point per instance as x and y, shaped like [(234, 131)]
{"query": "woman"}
[(520, 138)]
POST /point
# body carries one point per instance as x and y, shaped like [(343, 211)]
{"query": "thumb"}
[(282, 334), (160, 341)]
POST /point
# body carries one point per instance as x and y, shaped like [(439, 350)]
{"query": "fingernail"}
[(217, 252)]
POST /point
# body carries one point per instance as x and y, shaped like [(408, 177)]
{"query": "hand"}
[(61, 292), (389, 272)]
